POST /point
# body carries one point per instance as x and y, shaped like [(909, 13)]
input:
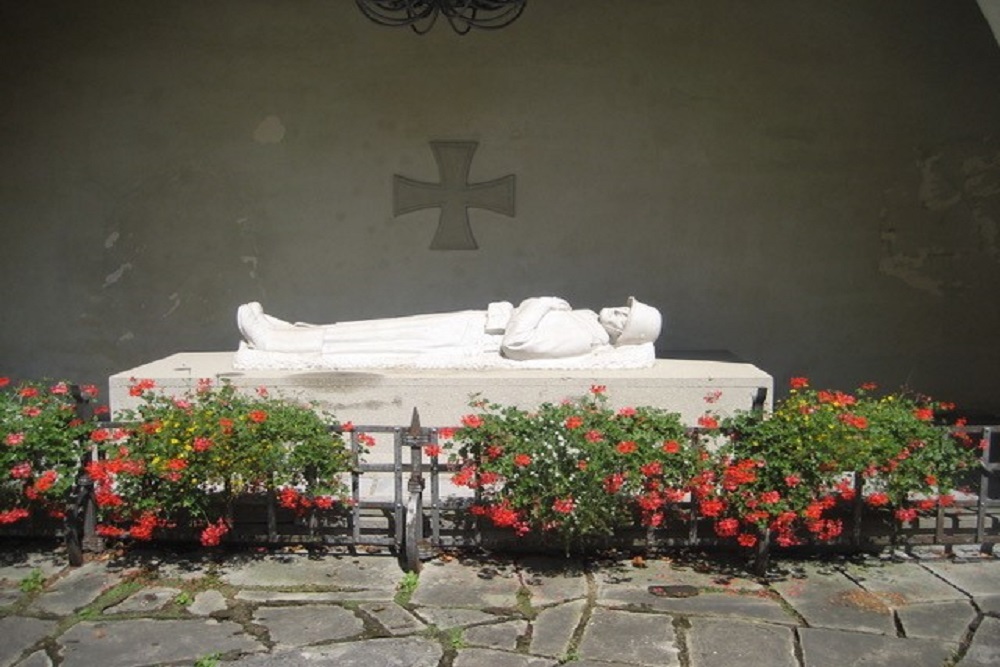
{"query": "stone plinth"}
[(387, 397)]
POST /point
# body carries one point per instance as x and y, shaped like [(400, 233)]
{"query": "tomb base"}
[(683, 383)]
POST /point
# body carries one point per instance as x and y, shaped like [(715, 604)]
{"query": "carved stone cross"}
[(454, 195)]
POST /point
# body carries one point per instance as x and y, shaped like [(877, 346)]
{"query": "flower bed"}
[(577, 469), (189, 458), (576, 472), (42, 441)]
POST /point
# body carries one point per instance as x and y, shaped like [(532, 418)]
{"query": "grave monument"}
[(377, 371)]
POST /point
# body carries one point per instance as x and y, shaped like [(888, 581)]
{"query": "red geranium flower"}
[(472, 421), (626, 447), (214, 533), (612, 483), (770, 497), (651, 469), (564, 505), (14, 515), (708, 421), (727, 527), (21, 471), (877, 499), (139, 386)]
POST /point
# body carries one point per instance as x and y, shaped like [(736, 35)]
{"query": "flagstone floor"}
[(293, 607)]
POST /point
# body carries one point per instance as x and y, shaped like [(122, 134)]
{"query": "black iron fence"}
[(418, 520)]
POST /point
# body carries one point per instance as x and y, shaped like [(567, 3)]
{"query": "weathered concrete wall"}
[(814, 186)]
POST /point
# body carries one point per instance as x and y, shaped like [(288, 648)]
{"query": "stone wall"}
[(814, 186)]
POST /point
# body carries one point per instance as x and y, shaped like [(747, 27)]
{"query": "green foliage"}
[(406, 587), (189, 457), (41, 444), (409, 583), (455, 638), (575, 469), (210, 660), (33, 583)]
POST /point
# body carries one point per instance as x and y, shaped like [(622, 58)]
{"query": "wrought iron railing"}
[(419, 520)]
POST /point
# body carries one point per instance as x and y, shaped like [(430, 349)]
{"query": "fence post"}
[(415, 503), (81, 517), (762, 555), (857, 509)]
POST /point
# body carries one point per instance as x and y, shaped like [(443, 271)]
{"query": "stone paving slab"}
[(76, 589), (989, 604), (554, 627), (834, 601), (714, 642), (501, 636), (984, 651), (902, 585), (621, 584), (16, 564), (9, 596), (452, 584), (750, 606), (444, 618), (639, 639), (36, 659), (836, 648), (392, 617), (149, 642), (976, 581), (481, 657), (303, 625), (369, 572), (146, 600), (392, 652), (623, 575), (20, 634), (947, 621), (207, 603), (271, 596), (553, 580)]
